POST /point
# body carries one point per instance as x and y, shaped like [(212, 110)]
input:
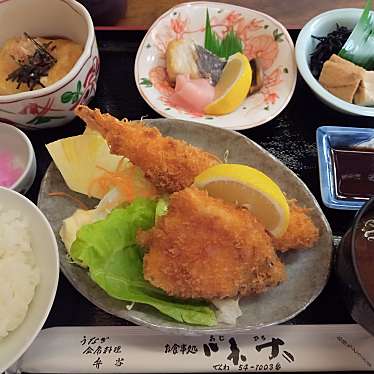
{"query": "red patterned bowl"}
[(54, 105)]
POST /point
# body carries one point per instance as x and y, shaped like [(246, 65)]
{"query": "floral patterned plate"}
[(262, 37)]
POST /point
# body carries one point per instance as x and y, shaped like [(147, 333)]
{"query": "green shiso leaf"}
[(359, 48), (225, 47)]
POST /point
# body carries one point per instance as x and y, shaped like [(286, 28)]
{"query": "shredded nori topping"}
[(34, 67), (327, 46)]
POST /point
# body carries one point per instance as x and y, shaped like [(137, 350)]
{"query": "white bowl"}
[(45, 250), (305, 45), (18, 144), (50, 107)]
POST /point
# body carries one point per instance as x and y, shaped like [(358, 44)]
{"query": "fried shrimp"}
[(169, 164), (301, 232), (206, 248)]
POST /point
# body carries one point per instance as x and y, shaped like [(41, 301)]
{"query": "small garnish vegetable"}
[(360, 45), (225, 47)]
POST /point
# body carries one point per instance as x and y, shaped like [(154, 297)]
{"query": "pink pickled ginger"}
[(192, 95), (8, 172)]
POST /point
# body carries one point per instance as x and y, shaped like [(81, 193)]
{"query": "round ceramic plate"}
[(262, 37), (307, 270)]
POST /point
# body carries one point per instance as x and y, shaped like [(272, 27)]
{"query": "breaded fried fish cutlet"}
[(169, 164), (301, 232), (206, 248)]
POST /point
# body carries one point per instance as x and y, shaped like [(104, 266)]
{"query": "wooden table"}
[(292, 13)]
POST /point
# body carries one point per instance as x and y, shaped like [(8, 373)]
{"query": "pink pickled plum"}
[(192, 94)]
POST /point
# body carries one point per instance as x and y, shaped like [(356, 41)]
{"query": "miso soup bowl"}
[(354, 267), (54, 105), (321, 25)]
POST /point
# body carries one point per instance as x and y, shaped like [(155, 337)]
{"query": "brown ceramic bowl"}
[(355, 267)]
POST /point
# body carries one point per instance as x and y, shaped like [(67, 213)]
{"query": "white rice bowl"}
[(29, 270), (19, 274)]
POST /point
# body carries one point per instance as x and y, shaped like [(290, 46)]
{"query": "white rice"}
[(19, 274)]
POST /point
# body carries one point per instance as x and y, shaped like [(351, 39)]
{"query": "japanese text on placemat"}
[(237, 359), (102, 352)]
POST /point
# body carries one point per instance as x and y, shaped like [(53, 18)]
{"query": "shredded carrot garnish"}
[(81, 204), (127, 178)]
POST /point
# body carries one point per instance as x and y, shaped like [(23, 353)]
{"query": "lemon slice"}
[(249, 187), (233, 86)]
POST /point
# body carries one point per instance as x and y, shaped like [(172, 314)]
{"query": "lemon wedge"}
[(233, 86), (248, 187)]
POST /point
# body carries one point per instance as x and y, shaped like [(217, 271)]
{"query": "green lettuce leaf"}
[(359, 48), (115, 262)]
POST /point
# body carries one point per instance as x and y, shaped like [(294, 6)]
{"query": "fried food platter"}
[(307, 270)]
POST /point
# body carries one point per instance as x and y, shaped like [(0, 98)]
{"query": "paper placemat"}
[(141, 350)]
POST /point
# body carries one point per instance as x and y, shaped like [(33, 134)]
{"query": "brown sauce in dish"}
[(353, 172), (364, 254)]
